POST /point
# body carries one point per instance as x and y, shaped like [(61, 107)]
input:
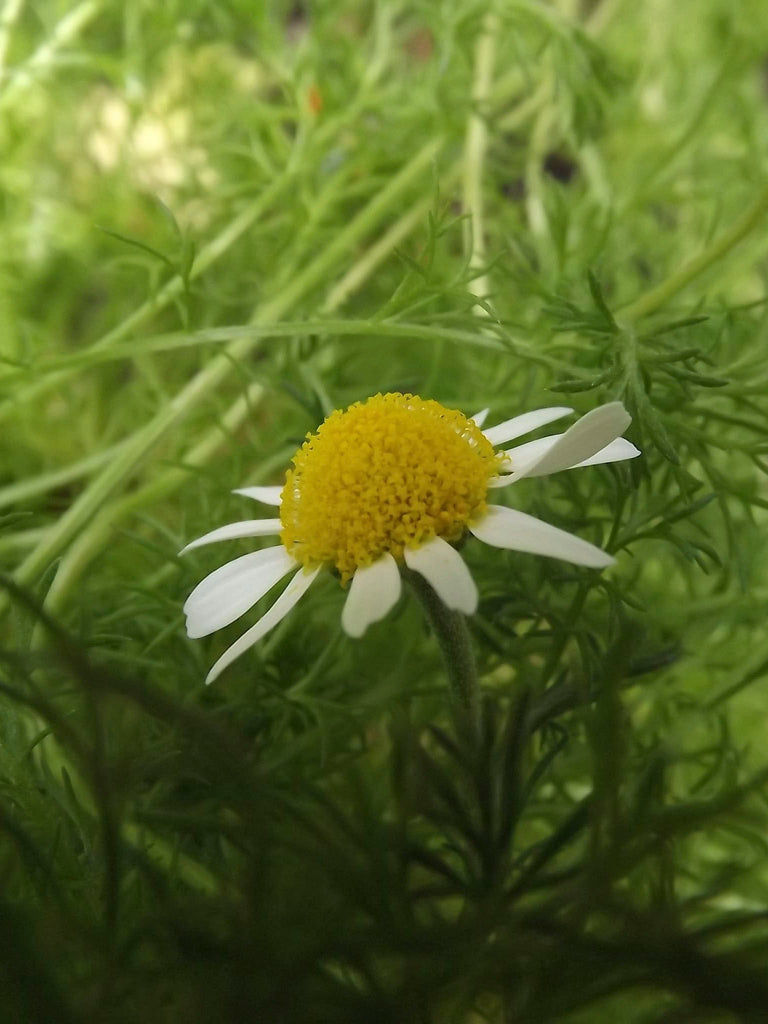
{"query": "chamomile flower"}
[(397, 480)]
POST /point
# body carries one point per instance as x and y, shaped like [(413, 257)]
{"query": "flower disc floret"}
[(382, 476)]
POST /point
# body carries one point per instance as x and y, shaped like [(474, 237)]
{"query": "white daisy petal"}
[(585, 438), (524, 455), (521, 459), (233, 531), (616, 451), (373, 591), (446, 572), (284, 604), (524, 424), (266, 495), (480, 417), (229, 591), (508, 528)]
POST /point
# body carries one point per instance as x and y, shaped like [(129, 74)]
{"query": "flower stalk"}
[(452, 634)]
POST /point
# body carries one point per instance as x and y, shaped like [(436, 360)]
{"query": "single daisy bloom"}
[(397, 480)]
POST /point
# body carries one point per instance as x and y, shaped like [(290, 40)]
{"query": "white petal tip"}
[(446, 572), (353, 631), (503, 527), (282, 606), (198, 625), (267, 495), (237, 531), (198, 543), (373, 592), (604, 563)]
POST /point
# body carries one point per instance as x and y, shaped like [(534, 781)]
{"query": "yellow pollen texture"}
[(381, 476)]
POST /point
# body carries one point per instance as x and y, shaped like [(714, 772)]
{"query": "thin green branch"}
[(475, 146), (8, 18), (44, 57), (680, 279), (32, 486), (90, 358)]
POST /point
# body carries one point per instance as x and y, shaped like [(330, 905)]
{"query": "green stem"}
[(8, 19), (475, 146), (675, 283), (452, 634), (213, 336), (22, 490), (46, 55)]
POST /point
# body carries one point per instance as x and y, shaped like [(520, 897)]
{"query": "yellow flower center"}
[(381, 476)]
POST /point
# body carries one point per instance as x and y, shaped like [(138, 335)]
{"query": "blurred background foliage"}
[(222, 220)]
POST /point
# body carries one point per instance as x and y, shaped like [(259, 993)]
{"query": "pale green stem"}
[(602, 15), (525, 110), (22, 539), (360, 271), (567, 9), (538, 144), (23, 489), (475, 146), (676, 282), (168, 857), (323, 328), (8, 18), (43, 57)]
